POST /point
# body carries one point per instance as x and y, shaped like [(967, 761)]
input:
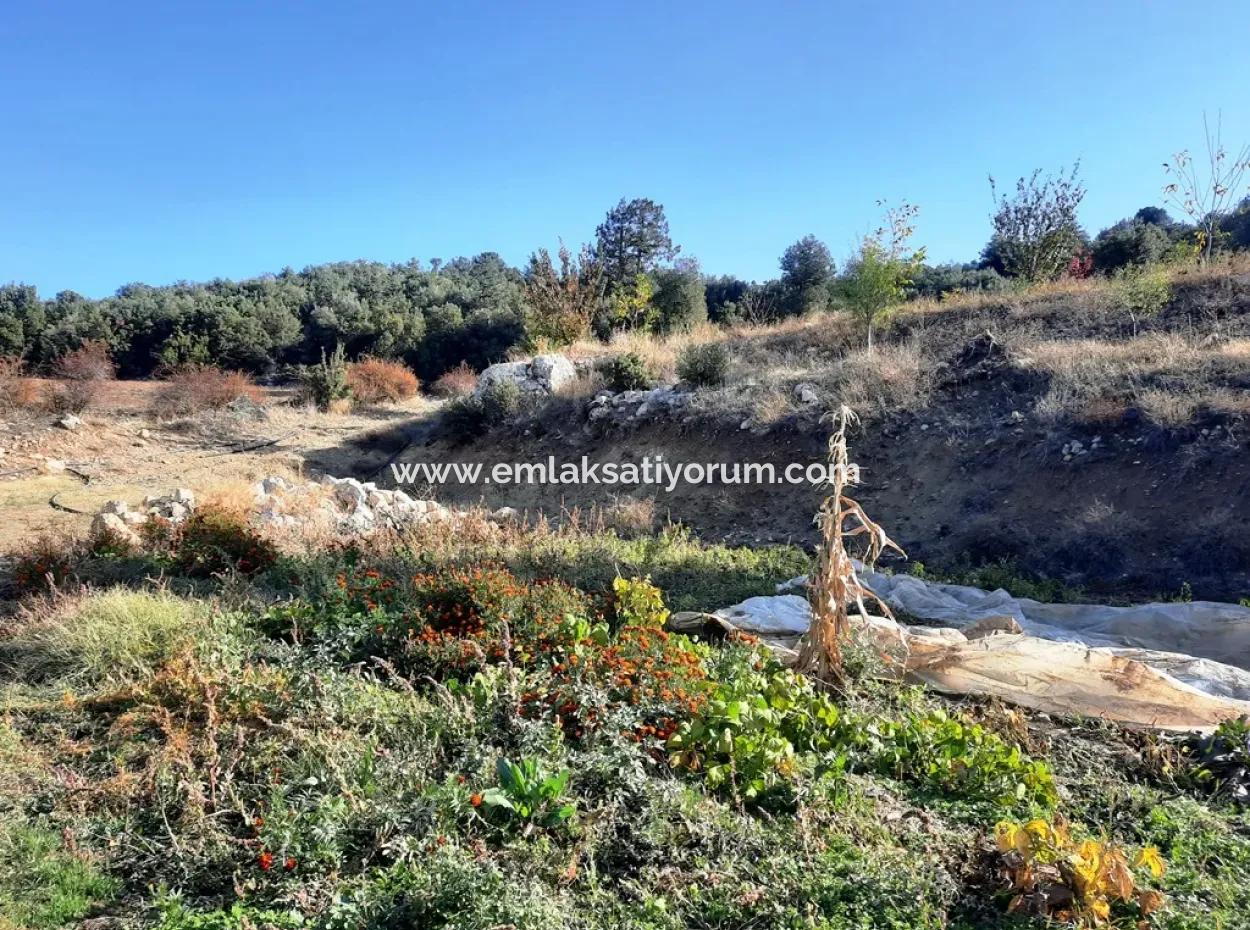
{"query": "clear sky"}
[(158, 141)]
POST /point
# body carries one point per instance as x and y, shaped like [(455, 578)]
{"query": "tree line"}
[(437, 315)]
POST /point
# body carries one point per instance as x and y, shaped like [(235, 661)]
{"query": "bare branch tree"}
[(1206, 196)]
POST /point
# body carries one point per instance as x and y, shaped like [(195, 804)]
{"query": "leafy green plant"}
[(638, 602), (628, 372), (527, 795), (752, 735), (703, 364)]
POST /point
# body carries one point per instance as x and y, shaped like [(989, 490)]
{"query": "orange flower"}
[(475, 800), (265, 861)]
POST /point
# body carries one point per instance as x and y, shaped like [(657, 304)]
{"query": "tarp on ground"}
[(1130, 685)]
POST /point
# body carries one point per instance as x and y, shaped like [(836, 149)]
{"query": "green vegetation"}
[(458, 733), (628, 372), (703, 364)]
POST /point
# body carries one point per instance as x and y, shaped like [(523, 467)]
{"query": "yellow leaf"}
[(1150, 858)]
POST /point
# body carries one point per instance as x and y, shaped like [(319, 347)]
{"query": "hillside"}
[(1046, 429)]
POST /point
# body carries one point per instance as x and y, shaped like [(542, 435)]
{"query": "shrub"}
[(376, 380), (89, 362), (628, 372), (1144, 292), (215, 541), (527, 795), (469, 417), (1086, 883), (17, 392), (203, 387), (44, 564), (71, 396), (326, 382), (703, 365), (500, 400), (457, 382)]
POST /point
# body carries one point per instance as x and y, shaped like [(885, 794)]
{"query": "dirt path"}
[(120, 452)]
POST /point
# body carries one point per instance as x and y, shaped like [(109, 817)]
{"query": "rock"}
[(350, 493), (70, 423), (145, 434), (120, 508), (109, 527), (184, 496), (543, 374), (553, 371), (806, 393), (54, 465), (505, 514)]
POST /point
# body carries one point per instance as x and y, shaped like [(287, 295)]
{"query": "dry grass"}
[(1168, 376)]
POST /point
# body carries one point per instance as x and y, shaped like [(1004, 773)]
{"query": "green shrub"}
[(218, 541), (472, 416), (703, 365), (527, 795), (628, 372), (1143, 291), (326, 383)]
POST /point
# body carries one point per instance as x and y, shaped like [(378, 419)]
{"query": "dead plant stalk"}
[(835, 585)]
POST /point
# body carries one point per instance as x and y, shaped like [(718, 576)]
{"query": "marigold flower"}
[(475, 800), (265, 861)]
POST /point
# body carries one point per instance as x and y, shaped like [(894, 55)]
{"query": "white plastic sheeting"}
[(983, 651)]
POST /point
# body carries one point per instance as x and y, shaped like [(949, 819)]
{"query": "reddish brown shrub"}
[(72, 396), (17, 392), (203, 387), (45, 564), (457, 382), (375, 381), (89, 362)]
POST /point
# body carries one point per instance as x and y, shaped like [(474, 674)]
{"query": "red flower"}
[(289, 864), (265, 861)]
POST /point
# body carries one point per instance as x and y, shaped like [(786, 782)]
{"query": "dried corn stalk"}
[(834, 585)]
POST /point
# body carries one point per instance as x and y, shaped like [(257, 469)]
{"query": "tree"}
[(561, 304), (632, 240), (1204, 195), (1036, 233), (680, 297), (807, 268), (22, 319), (878, 275), (1129, 242)]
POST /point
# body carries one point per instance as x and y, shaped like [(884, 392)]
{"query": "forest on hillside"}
[(434, 315)]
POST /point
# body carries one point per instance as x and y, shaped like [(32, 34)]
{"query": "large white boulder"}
[(543, 374)]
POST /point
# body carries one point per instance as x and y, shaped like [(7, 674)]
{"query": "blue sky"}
[(157, 141)]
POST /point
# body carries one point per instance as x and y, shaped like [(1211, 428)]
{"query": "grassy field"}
[(490, 728)]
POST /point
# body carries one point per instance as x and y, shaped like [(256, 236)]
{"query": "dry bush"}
[(89, 362), (17, 392), (456, 382), (630, 516), (203, 387), (71, 396), (376, 381)]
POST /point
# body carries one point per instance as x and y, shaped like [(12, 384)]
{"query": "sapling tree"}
[(1205, 190), (878, 274)]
